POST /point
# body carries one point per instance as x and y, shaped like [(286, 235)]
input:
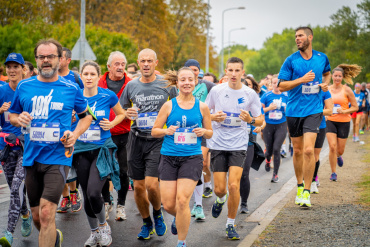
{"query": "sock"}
[(317, 165), (230, 222), (148, 221), (306, 190), (157, 212), (208, 185), (198, 193), (283, 147), (222, 199), (72, 191), (182, 242), (67, 197), (300, 185)]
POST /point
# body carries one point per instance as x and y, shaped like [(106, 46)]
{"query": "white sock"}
[(198, 193), (222, 199), (230, 222), (208, 185), (183, 242)]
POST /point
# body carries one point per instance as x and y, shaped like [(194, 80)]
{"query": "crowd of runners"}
[(164, 136)]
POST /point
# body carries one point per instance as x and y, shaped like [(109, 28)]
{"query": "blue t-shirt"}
[(6, 95), (263, 91), (50, 104), (359, 98), (325, 95), (202, 89), (276, 116), (100, 105), (71, 77), (2, 83), (186, 119), (305, 99)]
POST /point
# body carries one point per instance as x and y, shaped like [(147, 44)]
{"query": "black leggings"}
[(274, 136), (245, 186), (91, 184)]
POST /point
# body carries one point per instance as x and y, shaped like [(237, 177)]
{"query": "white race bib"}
[(185, 136), (335, 108), (6, 116), (146, 120), (232, 120), (311, 87), (45, 132), (92, 134), (275, 115)]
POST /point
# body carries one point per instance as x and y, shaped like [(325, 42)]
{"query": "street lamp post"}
[(222, 44), (207, 44), (235, 29)]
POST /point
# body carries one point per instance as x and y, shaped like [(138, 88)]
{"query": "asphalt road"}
[(211, 232)]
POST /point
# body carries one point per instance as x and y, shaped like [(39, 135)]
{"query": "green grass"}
[(364, 184)]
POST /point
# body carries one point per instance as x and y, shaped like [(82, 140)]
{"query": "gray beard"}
[(48, 75)]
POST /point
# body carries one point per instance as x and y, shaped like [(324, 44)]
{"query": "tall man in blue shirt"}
[(304, 74)]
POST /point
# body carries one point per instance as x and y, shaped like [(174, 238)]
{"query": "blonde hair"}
[(349, 71), (171, 76)]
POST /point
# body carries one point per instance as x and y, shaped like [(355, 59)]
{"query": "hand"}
[(74, 116), (70, 141), (105, 124), (244, 116), (219, 116), (340, 111), (257, 130), (308, 77), (171, 130), (5, 107), (24, 119), (324, 87), (273, 106), (132, 113), (199, 131)]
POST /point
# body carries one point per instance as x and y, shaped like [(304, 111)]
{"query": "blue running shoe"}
[(193, 211), (26, 227), (181, 244), (7, 240), (173, 227), (199, 214), (146, 231), (217, 207), (340, 161), (231, 233), (59, 240), (333, 177), (160, 226)]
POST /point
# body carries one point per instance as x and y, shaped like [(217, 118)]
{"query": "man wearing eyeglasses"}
[(43, 107), (116, 80)]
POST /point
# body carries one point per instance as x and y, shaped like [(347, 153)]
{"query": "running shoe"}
[(7, 240), (268, 165), (298, 198), (283, 153), (306, 202), (207, 192), (217, 207), (357, 139), (274, 178), (108, 208), (199, 214), (333, 177), (76, 204), (317, 181), (181, 244), (59, 240), (120, 213), (26, 227), (354, 138), (192, 212), (173, 227), (160, 226), (340, 161), (146, 231), (132, 184), (93, 240), (244, 208), (231, 233), (361, 132), (314, 189), (105, 235), (65, 204)]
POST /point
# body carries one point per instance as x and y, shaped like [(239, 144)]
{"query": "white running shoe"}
[(108, 209), (120, 213), (93, 240), (314, 189), (298, 198), (105, 235)]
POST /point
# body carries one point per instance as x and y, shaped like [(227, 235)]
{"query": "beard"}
[(305, 45), (48, 74)]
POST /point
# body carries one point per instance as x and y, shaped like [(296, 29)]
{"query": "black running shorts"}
[(222, 160), (339, 128), (320, 138), (299, 125), (172, 168)]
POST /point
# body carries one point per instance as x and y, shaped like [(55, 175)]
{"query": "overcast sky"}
[(262, 18)]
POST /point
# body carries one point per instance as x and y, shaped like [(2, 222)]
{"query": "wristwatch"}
[(253, 121)]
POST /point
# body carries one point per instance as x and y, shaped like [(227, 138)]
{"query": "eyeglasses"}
[(49, 57)]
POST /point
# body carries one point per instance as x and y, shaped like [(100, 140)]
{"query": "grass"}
[(364, 184)]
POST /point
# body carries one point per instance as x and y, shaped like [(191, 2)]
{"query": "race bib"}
[(335, 108), (275, 115), (232, 120), (6, 116), (146, 120), (185, 136), (310, 87), (92, 134), (45, 132), (249, 128)]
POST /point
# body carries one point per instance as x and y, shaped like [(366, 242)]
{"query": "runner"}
[(43, 106), (274, 105), (12, 161), (116, 80), (143, 97), (182, 160), (231, 103), (305, 74), (94, 149), (365, 115), (356, 116), (338, 125)]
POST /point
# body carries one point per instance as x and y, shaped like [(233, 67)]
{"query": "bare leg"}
[(309, 158), (235, 174), (47, 236), (298, 158)]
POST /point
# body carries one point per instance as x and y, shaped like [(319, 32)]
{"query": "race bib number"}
[(232, 120), (275, 115), (6, 116), (335, 108), (311, 88), (185, 136), (45, 132), (92, 134), (146, 120)]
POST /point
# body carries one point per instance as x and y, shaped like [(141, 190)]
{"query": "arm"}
[(206, 131), (352, 100), (288, 85), (271, 107), (5, 107), (157, 130), (20, 120), (105, 124), (328, 110)]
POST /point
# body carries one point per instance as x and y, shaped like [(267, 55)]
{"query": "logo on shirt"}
[(100, 113), (93, 107), (56, 106), (241, 100), (226, 96), (40, 106)]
